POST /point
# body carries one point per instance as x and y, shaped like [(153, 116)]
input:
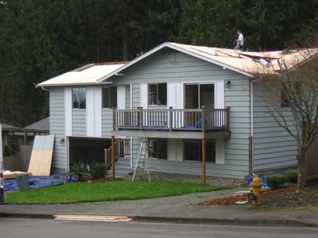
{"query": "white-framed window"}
[(157, 94), (79, 98), (109, 95), (159, 148), (198, 95), (193, 150)]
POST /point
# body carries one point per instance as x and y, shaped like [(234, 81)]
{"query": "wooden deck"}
[(172, 123)]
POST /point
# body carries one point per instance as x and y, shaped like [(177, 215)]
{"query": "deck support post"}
[(203, 161), (113, 156)]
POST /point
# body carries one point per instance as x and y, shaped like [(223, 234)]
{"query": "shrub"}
[(276, 181), (98, 170), (79, 170), (292, 176), (6, 151)]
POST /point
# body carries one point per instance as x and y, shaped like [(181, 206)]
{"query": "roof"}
[(40, 126), (6, 127), (246, 63), (88, 74)]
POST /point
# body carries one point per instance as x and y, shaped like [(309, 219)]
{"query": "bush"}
[(98, 170), (79, 170), (6, 151), (276, 181), (292, 176)]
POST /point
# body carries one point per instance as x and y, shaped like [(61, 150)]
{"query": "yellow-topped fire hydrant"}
[(256, 189)]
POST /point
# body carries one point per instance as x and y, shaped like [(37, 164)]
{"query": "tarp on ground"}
[(37, 182)]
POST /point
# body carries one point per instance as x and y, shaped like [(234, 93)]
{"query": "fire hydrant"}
[(256, 189)]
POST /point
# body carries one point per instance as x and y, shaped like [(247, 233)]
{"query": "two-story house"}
[(198, 107)]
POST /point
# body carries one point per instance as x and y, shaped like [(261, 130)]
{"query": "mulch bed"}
[(266, 197)]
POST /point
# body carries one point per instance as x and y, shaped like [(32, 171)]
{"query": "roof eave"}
[(67, 84)]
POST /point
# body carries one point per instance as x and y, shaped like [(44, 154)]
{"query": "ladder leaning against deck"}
[(145, 153)]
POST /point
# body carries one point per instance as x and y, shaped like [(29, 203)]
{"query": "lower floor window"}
[(158, 148), (193, 150)]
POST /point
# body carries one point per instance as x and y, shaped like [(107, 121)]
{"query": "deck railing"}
[(204, 119), (108, 153)]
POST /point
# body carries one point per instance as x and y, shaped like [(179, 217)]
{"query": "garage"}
[(87, 150)]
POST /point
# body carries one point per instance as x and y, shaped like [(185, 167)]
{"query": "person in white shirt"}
[(239, 41)]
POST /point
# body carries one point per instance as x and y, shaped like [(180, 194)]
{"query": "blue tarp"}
[(249, 179), (37, 182)]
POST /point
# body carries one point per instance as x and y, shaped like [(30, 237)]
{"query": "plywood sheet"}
[(41, 157), (10, 175)]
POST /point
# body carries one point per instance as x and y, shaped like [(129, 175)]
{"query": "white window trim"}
[(68, 106)]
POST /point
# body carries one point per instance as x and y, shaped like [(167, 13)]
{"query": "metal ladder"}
[(143, 156)]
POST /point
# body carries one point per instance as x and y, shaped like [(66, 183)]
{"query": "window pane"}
[(157, 94), (159, 149), (191, 150), (113, 97), (75, 98), (207, 95), (109, 97), (192, 96), (82, 97), (210, 151), (79, 98), (152, 94), (162, 94), (105, 97)]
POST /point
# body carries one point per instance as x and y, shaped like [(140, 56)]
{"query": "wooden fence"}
[(312, 160)]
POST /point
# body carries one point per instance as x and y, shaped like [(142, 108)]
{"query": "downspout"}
[(45, 89), (251, 139), (131, 138)]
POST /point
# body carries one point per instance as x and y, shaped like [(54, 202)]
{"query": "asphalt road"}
[(47, 228)]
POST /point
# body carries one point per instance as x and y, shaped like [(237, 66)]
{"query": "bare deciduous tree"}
[(290, 88)]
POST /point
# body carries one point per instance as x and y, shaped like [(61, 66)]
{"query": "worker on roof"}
[(239, 41)]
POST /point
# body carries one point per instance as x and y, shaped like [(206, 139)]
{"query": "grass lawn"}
[(105, 191)]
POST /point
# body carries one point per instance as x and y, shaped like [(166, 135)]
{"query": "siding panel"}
[(57, 122), (273, 147)]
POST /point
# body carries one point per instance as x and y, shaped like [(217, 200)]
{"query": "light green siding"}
[(187, 69), (273, 147), (57, 122), (79, 122), (107, 122)]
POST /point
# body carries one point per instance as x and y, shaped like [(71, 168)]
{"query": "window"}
[(79, 98), (159, 148), (157, 94), (198, 95), (110, 97), (193, 150)]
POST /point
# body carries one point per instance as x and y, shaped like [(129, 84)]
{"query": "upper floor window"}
[(109, 97), (79, 98), (157, 94)]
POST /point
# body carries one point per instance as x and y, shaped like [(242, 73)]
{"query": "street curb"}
[(235, 221), (188, 220), (23, 215)]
